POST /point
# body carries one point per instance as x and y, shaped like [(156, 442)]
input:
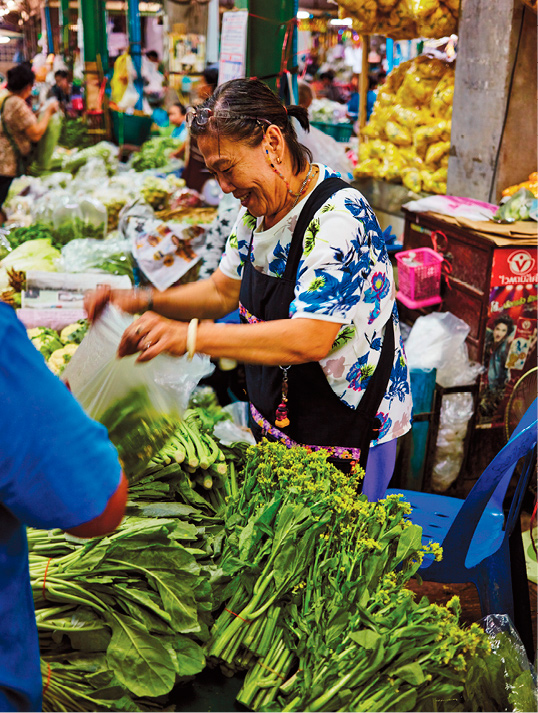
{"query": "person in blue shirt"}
[(57, 469), (177, 115), (354, 101)]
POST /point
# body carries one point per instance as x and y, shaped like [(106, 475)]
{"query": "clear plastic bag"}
[(501, 679), (456, 411), (139, 403), (434, 339), (459, 371), (236, 430), (112, 255)]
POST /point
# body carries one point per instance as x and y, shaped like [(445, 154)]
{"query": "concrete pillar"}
[(494, 117)]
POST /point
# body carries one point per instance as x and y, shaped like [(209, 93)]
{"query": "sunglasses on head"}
[(202, 115)]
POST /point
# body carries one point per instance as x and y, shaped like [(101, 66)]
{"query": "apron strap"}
[(315, 200)]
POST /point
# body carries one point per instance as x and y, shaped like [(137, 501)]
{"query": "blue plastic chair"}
[(474, 532)]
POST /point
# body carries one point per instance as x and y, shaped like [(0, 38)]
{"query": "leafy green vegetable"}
[(103, 150), (154, 153), (123, 602), (37, 231), (74, 134), (137, 430)]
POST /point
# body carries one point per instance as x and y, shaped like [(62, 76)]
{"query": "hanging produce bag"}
[(140, 404)]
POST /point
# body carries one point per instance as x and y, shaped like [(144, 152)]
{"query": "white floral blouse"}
[(344, 276)]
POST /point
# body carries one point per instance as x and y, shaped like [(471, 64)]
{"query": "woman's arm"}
[(207, 299), (35, 131), (284, 341)]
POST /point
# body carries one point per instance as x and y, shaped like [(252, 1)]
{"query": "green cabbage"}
[(33, 255)]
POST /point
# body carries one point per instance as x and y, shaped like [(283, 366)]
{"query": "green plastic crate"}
[(130, 128), (340, 132)]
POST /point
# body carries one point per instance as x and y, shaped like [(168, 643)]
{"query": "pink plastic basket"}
[(419, 277)]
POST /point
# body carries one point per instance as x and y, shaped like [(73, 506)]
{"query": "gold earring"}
[(278, 159)]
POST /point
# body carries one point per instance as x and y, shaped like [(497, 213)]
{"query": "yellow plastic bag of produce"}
[(436, 152), (422, 8), (419, 87), (397, 134), (411, 179), (441, 102), (440, 23), (409, 117), (426, 135), (367, 167)]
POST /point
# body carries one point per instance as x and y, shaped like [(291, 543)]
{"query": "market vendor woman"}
[(307, 265)]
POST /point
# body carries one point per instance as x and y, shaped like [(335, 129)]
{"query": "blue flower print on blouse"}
[(360, 210), (399, 382), (325, 291), (360, 373), (278, 265), (379, 289), (386, 423)]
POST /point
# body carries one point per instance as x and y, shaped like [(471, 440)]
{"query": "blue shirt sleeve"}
[(57, 466)]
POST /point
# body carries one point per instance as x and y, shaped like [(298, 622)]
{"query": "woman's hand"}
[(152, 334), (130, 301)]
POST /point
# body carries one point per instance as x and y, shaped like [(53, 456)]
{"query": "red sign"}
[(514, 266)]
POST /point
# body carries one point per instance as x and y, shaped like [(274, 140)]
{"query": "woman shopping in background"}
[(19, 127), (307, 265)]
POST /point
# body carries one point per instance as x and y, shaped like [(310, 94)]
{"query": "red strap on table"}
[(239, 617), (45, 579), (47, 682)]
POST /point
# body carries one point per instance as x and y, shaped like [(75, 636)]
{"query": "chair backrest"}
[(528, 417), (459, 536)]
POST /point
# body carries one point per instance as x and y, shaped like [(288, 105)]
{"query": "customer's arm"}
[(35, 131), (57, 467)]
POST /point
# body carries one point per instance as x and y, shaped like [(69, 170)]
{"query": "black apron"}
[(317, 415)]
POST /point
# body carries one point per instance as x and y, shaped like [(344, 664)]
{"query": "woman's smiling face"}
[(244, 171)]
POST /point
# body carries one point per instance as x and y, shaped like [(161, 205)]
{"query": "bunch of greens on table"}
[(74, 161), (20, 235), (74, 134), (154, 153), (315, 605), (119, 618)]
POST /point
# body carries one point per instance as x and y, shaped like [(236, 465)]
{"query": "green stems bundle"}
[(138, 598)]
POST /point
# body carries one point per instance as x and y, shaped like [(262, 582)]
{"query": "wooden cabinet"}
[(488, 280), (466, 292)]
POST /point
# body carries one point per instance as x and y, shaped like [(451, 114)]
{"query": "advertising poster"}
[(511, 331), (233, 45)]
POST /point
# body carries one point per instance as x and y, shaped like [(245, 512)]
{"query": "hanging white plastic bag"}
[(139, 403), (130, 97), (434, 339)]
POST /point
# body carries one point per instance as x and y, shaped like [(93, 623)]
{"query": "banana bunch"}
[(194, 448)]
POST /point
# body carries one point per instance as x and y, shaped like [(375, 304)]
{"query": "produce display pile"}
[(69, 220), (403, 19), (58, 347), (262, 560), (408, 136)]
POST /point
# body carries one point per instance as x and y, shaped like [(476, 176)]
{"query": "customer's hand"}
[(53, 106), (131, 301)]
